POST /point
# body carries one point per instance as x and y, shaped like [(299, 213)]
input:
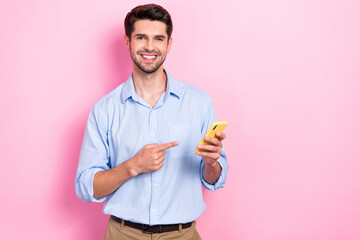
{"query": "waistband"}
[(155, 228)]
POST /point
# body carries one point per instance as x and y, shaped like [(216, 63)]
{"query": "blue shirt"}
[(122, 123)]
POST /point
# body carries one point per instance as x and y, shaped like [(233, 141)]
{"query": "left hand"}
[(213, 150)]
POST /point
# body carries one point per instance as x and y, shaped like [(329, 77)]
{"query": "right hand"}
[(150, 158)]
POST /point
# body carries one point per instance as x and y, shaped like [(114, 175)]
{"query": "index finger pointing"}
[(168, 145)]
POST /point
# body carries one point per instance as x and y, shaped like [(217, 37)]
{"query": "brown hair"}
[(151, 12)]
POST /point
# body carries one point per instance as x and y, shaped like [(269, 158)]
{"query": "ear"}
[(127, 42), (169, 44)]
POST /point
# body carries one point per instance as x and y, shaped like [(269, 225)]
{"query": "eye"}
[(140, 38), (160, 39)]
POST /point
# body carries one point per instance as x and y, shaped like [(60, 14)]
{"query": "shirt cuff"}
[(221, 181), (84, 185)]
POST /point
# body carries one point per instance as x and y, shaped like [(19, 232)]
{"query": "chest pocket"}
[(184, 134)]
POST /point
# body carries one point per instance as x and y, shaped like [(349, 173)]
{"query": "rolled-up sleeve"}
[(223, 175), (209, 118), (94, 155)]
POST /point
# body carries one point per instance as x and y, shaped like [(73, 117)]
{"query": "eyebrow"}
[(160, 36), (140, 35), (144, 35)]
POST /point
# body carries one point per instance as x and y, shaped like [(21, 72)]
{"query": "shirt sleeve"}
[(94, 156), (210, 117)]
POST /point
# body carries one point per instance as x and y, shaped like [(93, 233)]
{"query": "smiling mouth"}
[(148, 58)]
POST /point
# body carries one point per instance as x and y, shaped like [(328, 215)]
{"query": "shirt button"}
[(154, 210)]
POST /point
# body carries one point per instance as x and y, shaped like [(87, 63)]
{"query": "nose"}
[(149, 45)]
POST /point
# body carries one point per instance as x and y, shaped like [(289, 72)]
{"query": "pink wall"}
[(284, 74)]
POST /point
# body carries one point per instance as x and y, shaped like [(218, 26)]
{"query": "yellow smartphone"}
[(214, 128)]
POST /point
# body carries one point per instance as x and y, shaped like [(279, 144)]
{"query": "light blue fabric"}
[(122, 123)]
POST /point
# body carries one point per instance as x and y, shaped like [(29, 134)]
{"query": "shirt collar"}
[(172, 87), (128, 90)]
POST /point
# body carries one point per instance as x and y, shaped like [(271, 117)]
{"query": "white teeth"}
[(148, 57)]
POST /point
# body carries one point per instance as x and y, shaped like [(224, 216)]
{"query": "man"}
[(138, 152)]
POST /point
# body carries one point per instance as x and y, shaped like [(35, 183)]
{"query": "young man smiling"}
[(138, 148)]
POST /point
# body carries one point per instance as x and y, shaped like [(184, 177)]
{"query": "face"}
[(149, 45)]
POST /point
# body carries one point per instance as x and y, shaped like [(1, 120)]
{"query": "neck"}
[(149, 86)]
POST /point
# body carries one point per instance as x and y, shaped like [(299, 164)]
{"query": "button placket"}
[(155, 178)]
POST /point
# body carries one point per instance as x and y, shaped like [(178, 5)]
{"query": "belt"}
[(153, 229)]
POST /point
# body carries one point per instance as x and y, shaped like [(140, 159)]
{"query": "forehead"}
[(149, 28)]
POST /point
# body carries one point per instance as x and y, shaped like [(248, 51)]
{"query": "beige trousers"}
[(118, 231)]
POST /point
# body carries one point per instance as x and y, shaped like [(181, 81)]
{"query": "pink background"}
[(284, 74)]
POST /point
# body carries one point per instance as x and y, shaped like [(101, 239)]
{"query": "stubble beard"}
[(144, 67)]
